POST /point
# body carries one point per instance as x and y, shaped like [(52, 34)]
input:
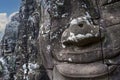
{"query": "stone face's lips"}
[(90, 70), (85, 56)]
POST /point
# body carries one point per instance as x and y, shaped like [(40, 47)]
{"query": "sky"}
[(7, 7)]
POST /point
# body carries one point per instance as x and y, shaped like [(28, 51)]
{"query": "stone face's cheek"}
[(114, 33), (110, 19), (57, 28), (114, 37), (111, 13)]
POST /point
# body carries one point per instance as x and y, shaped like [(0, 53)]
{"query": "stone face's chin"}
[(90, 70)]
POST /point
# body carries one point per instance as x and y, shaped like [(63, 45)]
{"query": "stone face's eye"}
[(59, 8)]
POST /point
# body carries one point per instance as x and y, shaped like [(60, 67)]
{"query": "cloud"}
[(11, 15), (3, 22)]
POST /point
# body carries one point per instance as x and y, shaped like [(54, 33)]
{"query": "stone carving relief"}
[(82, 42)]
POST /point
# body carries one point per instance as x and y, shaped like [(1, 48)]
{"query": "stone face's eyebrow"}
[(107, 2)]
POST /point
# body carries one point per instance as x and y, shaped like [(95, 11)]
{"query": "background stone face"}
[(19, 51), (33, 37)]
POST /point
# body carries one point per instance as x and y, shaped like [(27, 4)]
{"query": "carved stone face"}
[(84, 48)]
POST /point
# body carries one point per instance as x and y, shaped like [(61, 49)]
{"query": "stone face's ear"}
[(44, 38)]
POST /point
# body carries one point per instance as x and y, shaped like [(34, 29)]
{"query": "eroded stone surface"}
[(63, 40)]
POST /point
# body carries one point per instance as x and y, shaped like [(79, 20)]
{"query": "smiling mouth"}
[(84, 56), (85, 64)]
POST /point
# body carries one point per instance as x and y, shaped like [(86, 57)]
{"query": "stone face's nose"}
[(81, 33)]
